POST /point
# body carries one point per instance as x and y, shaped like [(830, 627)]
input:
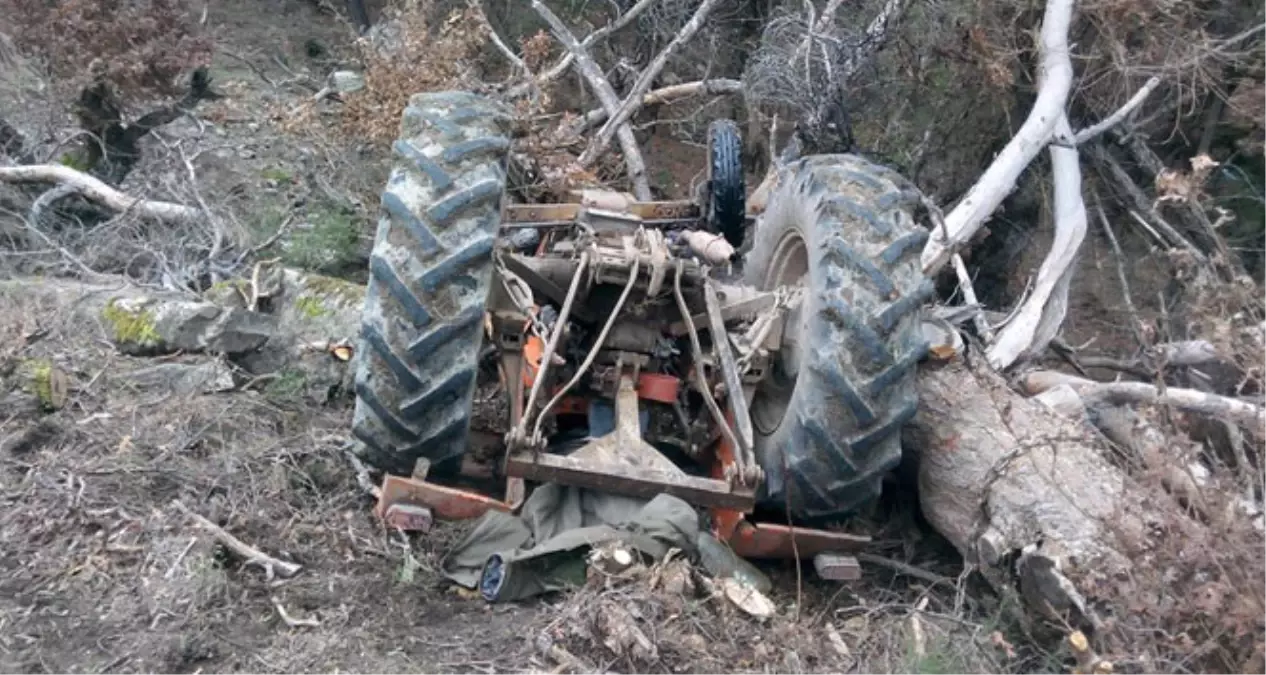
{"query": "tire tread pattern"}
[(430, 273), (727, 189), (855, 391)]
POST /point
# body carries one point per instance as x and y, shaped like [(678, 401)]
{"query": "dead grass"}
[(669, 618), (412, 56), (99, 572), (141, 46)]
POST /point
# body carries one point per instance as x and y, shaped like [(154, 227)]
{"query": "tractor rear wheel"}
[(827, 422), (430, 275)]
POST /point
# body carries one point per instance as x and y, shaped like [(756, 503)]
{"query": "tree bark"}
[(97, 191), (1039, 318), (1022, 491)]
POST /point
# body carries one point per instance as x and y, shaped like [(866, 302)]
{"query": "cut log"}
[(1022, 491)]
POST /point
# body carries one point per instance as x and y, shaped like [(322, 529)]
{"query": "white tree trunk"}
[(95, 190), (1041, 315), (1055, 82)]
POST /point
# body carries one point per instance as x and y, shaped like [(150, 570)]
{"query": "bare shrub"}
[(1194, 600), (423, 58), (143, 46)]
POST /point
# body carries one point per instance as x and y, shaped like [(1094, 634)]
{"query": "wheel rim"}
[(789, 266)]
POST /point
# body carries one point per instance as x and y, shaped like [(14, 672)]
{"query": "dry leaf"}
[(1001, 642)]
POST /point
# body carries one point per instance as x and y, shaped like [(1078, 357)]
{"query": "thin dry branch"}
[(876, 34), (633, 102), (500, 44), (1169, 233), (719, 87), (633, 160), (1118, 258), (827, 16), (290, 620), (1241, 412), (95, 190), (560, 68), (253, 556), (1115, 118)]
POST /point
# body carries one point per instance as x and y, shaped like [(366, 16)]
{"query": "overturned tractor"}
[(747, 363)]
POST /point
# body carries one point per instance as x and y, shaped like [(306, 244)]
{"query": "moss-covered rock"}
[(311, 307), (229, 293), (146, 325), (43, 380), (132, 325)]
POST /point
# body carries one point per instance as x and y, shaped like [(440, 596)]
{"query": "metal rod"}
[(700, 383), (735, 398), (550, 347), (593, 352)]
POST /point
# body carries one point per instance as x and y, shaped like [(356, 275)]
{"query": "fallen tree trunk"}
[(1022, 491)]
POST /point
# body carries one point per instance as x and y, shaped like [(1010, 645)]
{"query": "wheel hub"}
[(789, 267)]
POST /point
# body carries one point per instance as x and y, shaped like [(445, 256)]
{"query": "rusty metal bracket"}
[(735, 396), (622, 462)]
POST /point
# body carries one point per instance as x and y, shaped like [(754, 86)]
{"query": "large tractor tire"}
[(430, 275), (828, 421)]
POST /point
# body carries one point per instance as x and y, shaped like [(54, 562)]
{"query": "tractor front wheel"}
[(430, 275)]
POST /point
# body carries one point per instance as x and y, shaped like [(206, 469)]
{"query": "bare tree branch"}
[(1241, 412), (500, 44), (633, 101), (560, 68), (876, 33), (606, 95), (670, 93), (97, 191), (1040, 316), (1056, 79), (1115, 118)]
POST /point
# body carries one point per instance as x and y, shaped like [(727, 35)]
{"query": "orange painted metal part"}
[(747, 539), (533, 350), (658, 387), (650, 386), (446, 502), (771, 540)]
